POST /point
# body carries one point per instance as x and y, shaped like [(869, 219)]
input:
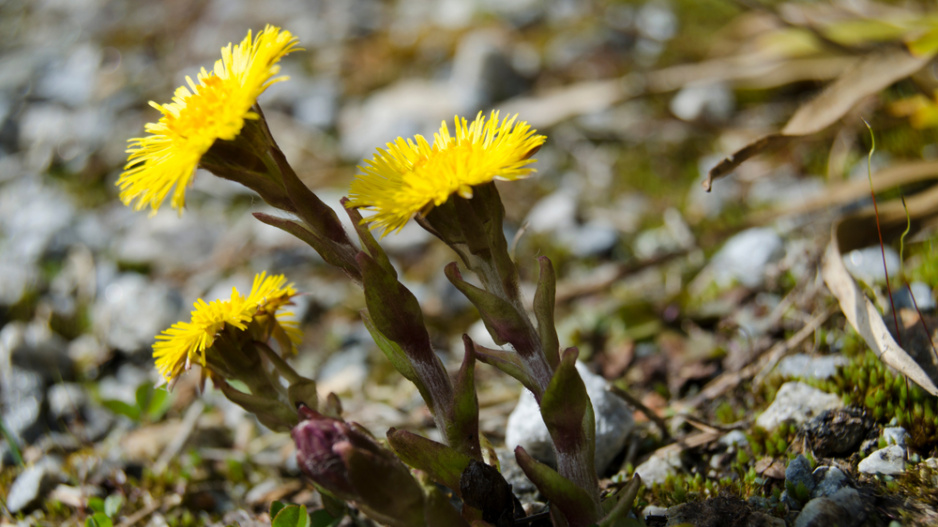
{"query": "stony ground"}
[(722, 368)]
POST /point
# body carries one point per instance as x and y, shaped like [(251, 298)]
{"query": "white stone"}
[(798, 402), (895, 435), (614, 421), (745, 256), (807, 367), (888, 461), (659, 466)]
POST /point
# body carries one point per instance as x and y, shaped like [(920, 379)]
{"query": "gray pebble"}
[(744, 258), (798, 474), (30, 488), (829, 480), (867, 264), (924, 298)]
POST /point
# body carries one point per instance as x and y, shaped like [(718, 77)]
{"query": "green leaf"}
[(291, 516), (276, 507), (501, 319), (462, 430), (113, 505), (620, 503), (143, 395), (387, 490), (544, 299), (96, 504), (574, 503), (98, 519), (121, 408), (160, 401), (444, 464), (322, 518)]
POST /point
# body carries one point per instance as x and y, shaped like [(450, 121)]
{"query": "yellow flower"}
[(177, 347), (411, 176), (212, 109)]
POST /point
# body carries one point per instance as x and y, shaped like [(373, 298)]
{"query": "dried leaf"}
[(865, 319), (869, 75)]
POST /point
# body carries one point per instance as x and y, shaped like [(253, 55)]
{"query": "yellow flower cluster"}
[(212, 109), (411, 176), (177, 347)]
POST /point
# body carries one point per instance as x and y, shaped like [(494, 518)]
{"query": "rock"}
[(146, 240), (133, 310), (744, 258), (659, 466), (553, 212), (671, 237), (867, 264), (821, 512), (836, 432), (317, 107), (895, 435), (344, 371), (482, 74), (844, 509), (34, 347), (829, 480), (403, 109), (66, 400), (593, 238), (711, 101), (734, 438), (87, 351), (889, 461), (30, 488), (721, 510), (798, 402), (23, 395), (613, 422), (924, 298), (807, 367), (798, 474)]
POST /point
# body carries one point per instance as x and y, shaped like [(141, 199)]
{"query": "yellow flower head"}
[(412, 176), (177, 347), (214, 108)]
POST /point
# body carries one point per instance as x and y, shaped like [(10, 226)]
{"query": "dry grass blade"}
[(840, 194), (869, 75), (863, 315)]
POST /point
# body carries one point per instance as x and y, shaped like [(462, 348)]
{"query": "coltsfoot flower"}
[(186, 342), (214, 108), (411, 176)]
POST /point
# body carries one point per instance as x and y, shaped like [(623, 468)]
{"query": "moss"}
[(867, 382)]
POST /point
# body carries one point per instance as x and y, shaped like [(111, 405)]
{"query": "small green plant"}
[(151, 404), (289, 515), (104, 511)]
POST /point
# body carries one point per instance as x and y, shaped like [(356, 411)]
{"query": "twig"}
[(188, 425), (730, 380), (135, 518), (655, 418)]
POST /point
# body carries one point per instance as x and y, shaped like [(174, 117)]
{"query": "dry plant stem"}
[(649, 413), (188, 426), (879, 231)]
